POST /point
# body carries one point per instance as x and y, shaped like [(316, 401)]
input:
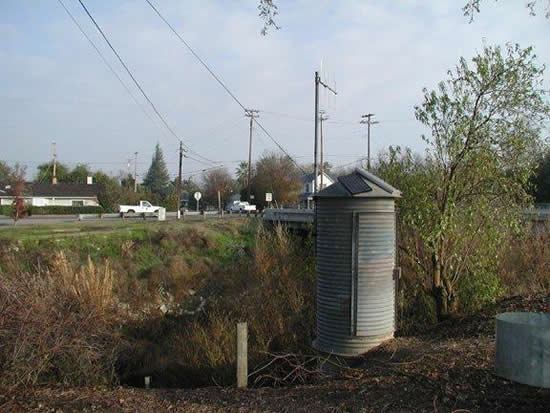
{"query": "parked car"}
[(242, 206), (143, 208)]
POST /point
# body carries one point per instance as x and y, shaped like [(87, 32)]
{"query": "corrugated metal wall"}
[(355, 262)]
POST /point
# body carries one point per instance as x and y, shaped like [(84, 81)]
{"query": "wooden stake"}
[(242, 355)]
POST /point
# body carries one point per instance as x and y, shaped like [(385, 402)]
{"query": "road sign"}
[(251, 196), (197, 195), (268, 197)]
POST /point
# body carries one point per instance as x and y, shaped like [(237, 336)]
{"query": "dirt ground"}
[(447, 369)]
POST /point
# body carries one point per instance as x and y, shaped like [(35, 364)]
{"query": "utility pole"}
[(178, 186), (251, 113), (135, 171), (54, 175), (318, 82), (366, 119), (323, 117)]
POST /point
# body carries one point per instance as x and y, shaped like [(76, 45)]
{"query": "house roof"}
[(360, 184), (67, 190), (50, 190), (6, 189)]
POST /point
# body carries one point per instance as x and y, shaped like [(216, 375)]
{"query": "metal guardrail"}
[(172, 214), (304, 216)]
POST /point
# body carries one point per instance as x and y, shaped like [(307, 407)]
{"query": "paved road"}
[(6, 222)]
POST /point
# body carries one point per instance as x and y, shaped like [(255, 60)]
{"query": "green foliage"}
[(64, 210), (190, 187), (79, 174), (109, 198), (462, 200), (6, 172), (242, 175), (45, 173), (157, 179), (477, 289)]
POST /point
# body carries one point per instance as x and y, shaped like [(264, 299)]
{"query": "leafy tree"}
[(45, 173), (126, 180), (242, 175), (6, 172), (79, 174), (189, 187), (485, 125), (111, 194), (18, 205), (217, 180), (157, 179), (277, 174)]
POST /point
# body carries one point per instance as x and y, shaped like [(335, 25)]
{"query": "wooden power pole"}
[(178, 185), (318, 82), (135, 171), (366, 119), (251, 113)]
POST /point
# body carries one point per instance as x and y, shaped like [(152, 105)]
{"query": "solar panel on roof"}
[(355, 184)]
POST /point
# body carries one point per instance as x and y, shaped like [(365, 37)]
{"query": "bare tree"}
[(277, 174), (18, 204), (214, 181)]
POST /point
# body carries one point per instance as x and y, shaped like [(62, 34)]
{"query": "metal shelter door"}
[(373, 286)]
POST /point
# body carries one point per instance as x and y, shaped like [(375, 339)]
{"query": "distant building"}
[(61, 194), (308, 183)]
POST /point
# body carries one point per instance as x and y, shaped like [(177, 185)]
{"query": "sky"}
[(377, 54)]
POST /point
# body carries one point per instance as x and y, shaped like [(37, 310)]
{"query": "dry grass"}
[(271, 288), (525, 269), (58, 326)]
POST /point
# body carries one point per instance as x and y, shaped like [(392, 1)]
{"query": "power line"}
[(195, 54), (108, 64), (349, 163), (219, 81), (135, 80), (128, 71)]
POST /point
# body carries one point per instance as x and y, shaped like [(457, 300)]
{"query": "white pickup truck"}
[(144, 207), (241, 206)]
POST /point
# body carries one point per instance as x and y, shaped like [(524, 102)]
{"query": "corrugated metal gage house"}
[(356, 263)]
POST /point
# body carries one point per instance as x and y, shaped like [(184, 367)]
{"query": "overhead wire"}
[(138, 85), (102, 56), (222, 84)]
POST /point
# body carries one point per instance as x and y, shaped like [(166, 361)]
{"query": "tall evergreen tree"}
[(157, 179)]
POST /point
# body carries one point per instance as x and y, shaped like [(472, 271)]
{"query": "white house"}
[(308, 183), (61, 194)]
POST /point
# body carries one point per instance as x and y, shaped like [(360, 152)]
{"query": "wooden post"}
[(242, 355)]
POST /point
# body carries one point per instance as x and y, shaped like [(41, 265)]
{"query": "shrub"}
[(478, 289), (54, 210), (525, 268), (271, 288), (6, 210), (65, 210), (58, 326)]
